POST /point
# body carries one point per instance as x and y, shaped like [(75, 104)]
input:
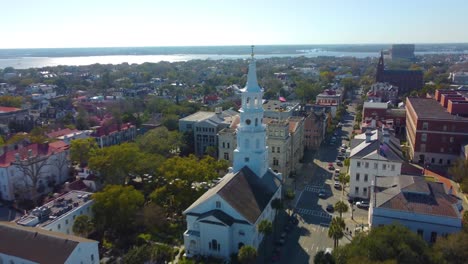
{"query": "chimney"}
[(368, 135)]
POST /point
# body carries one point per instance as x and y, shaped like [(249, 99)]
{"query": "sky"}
[(135, 23)]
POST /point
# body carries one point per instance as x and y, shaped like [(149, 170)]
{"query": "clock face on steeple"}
[(247, 121)]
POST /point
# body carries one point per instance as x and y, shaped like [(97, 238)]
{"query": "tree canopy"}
[(81, 149), (160, 141)]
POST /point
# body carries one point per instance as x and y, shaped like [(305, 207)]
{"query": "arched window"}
[(256, 121), (240, 245), (247, 102), (257, 143), (255, 102)]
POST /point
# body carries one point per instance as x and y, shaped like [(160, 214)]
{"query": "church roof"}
[(244, 191)]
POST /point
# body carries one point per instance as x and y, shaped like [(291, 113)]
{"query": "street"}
[(311, 234)]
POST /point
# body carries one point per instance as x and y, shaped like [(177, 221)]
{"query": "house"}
[(16, 119), (226, 217), (425, 207), (437, 128), (59, 214), (28, 171), (383, 92), (329, 97), (109, 135), (20, 244), (374, 153), (377, 114)]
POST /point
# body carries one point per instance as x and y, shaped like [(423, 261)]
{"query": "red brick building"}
[(437, 128), (376, 115)]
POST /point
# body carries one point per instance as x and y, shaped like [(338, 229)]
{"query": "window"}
[(366, 177), (92, 257), (275, 162), (240, 245), (273, 149), (226, 156), (218, 204), (393, 167), (445, 128), (59, 226), (423, 137), (366, 165), (376, 166), (357, 176), (451, 139), (356, 190), (420, 232), (278, 149), (66, 222), (384, 166), (256, 121), (364, 191), (246, 159), (433, 237), (241, 233), (441, 149), (422, 147), (213, 245), (224, 145), (425, 125), (358, 164), (228, 145)]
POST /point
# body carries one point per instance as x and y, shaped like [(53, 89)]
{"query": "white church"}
[(226, 217)]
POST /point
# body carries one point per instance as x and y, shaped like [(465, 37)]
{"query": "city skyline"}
[(58, 24)]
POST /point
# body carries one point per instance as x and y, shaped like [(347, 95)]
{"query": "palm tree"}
[(289, 196), (344, 180), (335, 231), (341, 207), (265, 227), (247, 255)]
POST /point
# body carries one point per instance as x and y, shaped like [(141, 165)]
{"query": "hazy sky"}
[(108, 23)]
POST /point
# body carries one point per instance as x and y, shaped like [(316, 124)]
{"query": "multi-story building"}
[(226, 217), (383, 92), (285, 139), (329, 97), (14, 119), (405, 80), (280, 110), (29, 245), (28, 171), (113, 135), (59, 214), (459, 77), (205, 127), (314, 128), (437, 127), (374, 153), (376, 115), (67, 135), (424, 207)]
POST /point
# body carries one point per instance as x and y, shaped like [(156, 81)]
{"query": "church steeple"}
[(380, 68), (251, 148)]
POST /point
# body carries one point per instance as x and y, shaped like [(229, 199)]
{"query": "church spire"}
[(252, 83)]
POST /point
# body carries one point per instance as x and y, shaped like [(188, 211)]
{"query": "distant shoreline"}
[(218, 50)]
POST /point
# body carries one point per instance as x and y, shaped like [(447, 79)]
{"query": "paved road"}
[(311, 234)]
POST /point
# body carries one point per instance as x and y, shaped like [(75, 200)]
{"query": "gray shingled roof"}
[(416, 195), (376, 148), (37, 244), (244, 191)]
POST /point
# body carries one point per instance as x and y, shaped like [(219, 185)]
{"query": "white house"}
[(424, 207), (225, 218), (374, 153), (28, 171), (29, 245), (59, 214)]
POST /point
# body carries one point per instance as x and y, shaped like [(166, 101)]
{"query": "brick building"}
[(437, 128), (405, 80), (375, 115)]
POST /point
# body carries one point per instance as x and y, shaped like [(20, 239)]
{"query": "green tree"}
[(344, 180), (81, 149), (323, 258), (265, 228), (11, 101), (247, 255), (387, 244), (452, 249), (459, 172), (465, 220), (160, 141), (82, 225), (115, 208), (289, 196), (341, 207), (336, 230)]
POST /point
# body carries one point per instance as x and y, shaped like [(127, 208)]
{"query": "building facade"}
[(383, 92), (226, 217), (280, 110), (29, 171), (374, 153), (437, 127), (314, 129), (376, 115), (424, 207), (405, 80)]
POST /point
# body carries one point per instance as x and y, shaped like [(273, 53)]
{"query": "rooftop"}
[(426, 108), (45, 149), (56, 209), (5, 109), (376, 148), (375, 105), (37, 245), (61, 132), (278, 106), (198, 116), (416, 195)]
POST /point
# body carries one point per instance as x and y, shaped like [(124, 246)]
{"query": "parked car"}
[(330, 166), (339, 163), (330, 208), (346, 138), (344, 146), (337, 184), (340, 157), (322, 194), (362, 204)]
